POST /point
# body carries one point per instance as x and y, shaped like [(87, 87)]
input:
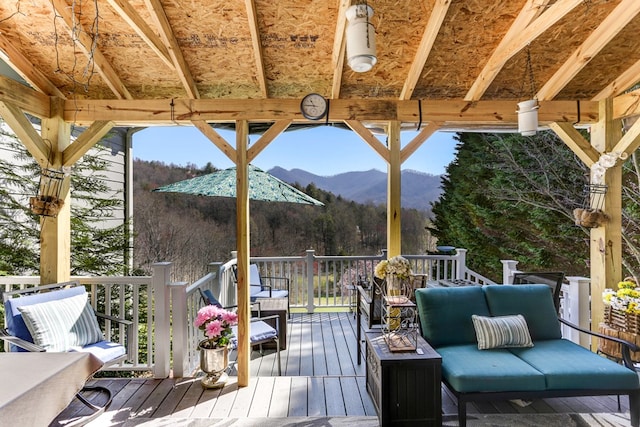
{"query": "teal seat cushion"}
[(445, 314), (534, 302), (567, 365), (468, 369)]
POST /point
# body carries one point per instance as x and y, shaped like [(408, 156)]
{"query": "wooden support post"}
[(606, 240), (242, 237), (393, 191), (55, 234)]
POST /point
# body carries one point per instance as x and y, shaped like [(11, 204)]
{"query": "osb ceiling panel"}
[(296, 42), (297, 46), (399, 26), (470, 33), (549, 52)]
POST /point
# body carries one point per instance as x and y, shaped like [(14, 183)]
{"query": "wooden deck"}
[(320, 379)]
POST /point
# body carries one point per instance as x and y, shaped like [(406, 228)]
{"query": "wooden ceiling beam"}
[(624, 81), (252, 20), (339, 48), (25, 68), (369, 138), (160, 111), (626, 105), (135, 21), (27, 99), (86, 44), (623, 13), (83, 143), (431, 31), (25, 131), (169, 38), (529, 24)]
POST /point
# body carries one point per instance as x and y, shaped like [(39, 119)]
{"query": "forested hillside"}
[(192, 231), (512, 197)]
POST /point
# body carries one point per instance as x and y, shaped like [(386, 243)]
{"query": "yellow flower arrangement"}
[(398, 266), (626, 298)]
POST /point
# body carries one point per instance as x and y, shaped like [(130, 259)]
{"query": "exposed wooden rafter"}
[(84, 42), (621, 83), (129, 14), (169, 38), (252, 20), (438, 14), (21, 64), (597, 40), (339, 47), (522, 32)]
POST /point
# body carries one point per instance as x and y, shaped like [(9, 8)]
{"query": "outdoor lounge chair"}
[(265, 287), (260, 331), (28, 315)]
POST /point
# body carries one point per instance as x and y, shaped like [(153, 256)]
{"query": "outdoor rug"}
[(496, 420)]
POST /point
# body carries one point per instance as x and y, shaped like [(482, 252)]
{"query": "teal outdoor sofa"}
[(521, 365)]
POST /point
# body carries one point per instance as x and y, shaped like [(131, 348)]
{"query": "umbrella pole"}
[(243, 239)]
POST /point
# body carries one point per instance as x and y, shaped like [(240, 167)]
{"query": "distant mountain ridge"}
[(419, 189)]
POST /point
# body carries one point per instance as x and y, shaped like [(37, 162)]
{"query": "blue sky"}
[(323, 151)]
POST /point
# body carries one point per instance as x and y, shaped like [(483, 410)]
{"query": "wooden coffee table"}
[(275, 306)]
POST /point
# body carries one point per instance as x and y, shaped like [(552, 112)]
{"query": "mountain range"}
[(419, 189)]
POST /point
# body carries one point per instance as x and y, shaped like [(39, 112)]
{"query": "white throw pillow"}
[(61, 324)]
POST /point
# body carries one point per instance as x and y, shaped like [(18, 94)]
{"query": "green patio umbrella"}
[(262, 186)]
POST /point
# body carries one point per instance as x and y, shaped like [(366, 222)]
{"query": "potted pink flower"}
[(216, 322)]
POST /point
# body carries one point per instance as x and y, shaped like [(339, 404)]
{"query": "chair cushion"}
[(15, 324), (534, 302), (501, 332), (467, 369), (445, 314), (276, 293), (106, 351), (61, 324), (567, 365), (260, 331)]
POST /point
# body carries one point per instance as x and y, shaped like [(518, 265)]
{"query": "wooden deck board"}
[(320, 378)]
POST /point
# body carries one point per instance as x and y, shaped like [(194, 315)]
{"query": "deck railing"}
[(166, 338)]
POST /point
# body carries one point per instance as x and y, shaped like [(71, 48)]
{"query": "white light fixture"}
[(528, 117), (361, 38), (528, 110)]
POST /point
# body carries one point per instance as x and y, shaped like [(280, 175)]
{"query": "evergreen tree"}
[(512, 197), (96, 247)]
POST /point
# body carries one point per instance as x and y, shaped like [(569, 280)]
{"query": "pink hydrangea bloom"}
[(214, 329)]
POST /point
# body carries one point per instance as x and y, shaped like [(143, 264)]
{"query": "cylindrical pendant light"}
[(361, 38), (528, 117)]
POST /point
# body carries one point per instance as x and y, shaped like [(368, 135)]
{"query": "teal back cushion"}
[(445, 314), (534, 302)]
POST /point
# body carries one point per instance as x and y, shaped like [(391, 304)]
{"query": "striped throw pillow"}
[(501, 331), (61, 324)]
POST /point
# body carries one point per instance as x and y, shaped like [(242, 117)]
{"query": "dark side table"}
[(270, 307), (404, 386)]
